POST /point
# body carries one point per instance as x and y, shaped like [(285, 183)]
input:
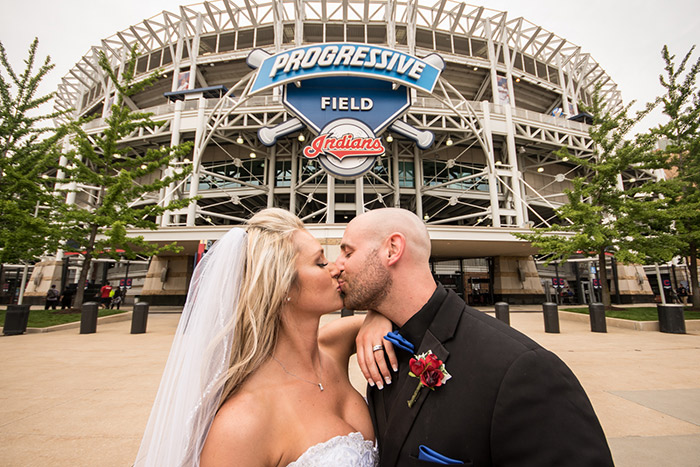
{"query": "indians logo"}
[(346, 147)]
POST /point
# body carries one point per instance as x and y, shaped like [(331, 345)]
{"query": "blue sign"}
[(319, 101), (343, 59)]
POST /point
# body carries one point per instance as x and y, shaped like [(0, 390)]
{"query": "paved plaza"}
[(76, 400)]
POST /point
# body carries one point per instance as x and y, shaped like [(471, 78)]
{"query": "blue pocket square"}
[(398, 340), (427, 454)]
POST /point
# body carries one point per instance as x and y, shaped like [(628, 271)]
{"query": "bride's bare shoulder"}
[(239, 429)]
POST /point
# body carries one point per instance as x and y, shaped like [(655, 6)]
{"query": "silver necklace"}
[(319, 384)]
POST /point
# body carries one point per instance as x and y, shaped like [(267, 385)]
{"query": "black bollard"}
[(551, 317), (597, 315), (671, 318), (502, 312), (16, 319), (139, 318), (88, 318)]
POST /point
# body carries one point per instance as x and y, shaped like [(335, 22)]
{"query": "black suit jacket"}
[(509, 403)]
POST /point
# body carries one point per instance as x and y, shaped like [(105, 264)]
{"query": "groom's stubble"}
[(367, 288)]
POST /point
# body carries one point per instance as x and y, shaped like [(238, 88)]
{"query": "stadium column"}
[(359, 195), (271, 163), (494, 62), (510, 141), (194, 53), (490, 166), (167, 193), (395, 174), (418, 180), (196, 160), (293, 181), (330, 198), (514, 169)]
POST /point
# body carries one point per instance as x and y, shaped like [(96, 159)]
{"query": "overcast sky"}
[(625, 37)]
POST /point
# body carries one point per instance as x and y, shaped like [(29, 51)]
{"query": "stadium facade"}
[(255, 85)]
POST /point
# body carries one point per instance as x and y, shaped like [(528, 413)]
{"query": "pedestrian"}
[(117, 297), (52, 298), (683, 294), (67, 296), (105, 299)]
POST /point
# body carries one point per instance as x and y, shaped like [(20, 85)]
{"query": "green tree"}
[(119, 176), (673, 215), (28, 150), (590, 222)]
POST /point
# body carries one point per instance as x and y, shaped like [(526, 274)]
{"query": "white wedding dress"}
[(351, 450)]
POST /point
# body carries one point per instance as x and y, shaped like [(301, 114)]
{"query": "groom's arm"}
[(543, 416)]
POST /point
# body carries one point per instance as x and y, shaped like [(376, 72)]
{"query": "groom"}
[(508, 401)]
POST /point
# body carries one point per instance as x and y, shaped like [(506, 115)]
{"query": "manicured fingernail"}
[(380, 385), (370, 382), (395, 369), (388, 380)]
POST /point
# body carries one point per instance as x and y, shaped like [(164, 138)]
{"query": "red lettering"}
[(345, 146)]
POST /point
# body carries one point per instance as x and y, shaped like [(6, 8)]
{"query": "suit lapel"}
[(401, 418)]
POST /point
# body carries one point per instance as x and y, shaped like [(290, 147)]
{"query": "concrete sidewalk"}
[(68, 399)]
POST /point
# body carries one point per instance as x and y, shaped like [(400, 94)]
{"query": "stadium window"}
[(155, 59), (424, 38), (283, 173), (376, 34), (541, 70), (227, 42), (313, 33), (288, 33), (245, 39), (207, 45), (335, 33), (461, 45), (553, 75), (167, 56), (142, 64), (356, 33), (479, 48), (401, 36), (265, 36), (406, 174), (529, 65), (518, 61), (443, 42)]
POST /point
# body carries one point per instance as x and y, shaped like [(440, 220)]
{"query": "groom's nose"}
[(333, 268)]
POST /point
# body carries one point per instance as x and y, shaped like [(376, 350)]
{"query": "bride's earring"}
[(288, 299)]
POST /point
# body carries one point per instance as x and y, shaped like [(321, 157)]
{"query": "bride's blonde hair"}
[(270, 272)]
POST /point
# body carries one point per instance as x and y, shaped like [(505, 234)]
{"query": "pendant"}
[(320, 386)]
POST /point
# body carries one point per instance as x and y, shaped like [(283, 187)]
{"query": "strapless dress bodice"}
[(351, 450)]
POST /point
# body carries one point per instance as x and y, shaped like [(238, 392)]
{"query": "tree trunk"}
[(695, 298), (80, 293), (603, 274)]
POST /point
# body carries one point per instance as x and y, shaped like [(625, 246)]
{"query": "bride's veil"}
[(195, 373)]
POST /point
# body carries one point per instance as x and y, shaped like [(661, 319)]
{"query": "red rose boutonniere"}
[(431, 372)]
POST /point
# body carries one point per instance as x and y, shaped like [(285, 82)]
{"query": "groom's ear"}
[(395, 247)]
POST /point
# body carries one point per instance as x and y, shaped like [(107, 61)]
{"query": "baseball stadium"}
[(330, 108)]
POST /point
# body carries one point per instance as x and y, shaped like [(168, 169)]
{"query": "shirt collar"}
[(414, 329)]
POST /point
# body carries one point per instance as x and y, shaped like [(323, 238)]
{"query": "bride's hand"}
[(373, 362)]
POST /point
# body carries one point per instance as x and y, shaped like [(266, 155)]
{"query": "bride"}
[(251, 380)]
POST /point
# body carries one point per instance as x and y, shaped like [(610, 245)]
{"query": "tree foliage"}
[(121, 179), (28, 150), (589, 223), (672, 215)]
